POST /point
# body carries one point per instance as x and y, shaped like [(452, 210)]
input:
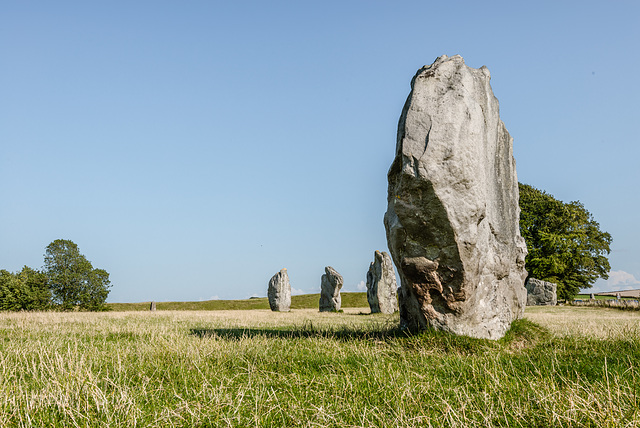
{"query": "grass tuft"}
[(524, 334)]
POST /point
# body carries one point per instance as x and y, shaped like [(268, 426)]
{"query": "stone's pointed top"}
[(330, 271), (283, 269), (444, 60)]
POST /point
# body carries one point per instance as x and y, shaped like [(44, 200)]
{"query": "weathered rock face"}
[(452, 216), (381, 284), (541, 292), (330, 286), (279, 292)]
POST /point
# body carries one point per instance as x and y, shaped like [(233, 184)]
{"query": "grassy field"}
[(574, 366), (306, 301)]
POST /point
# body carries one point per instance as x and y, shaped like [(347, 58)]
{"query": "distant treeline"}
[(68, 281)]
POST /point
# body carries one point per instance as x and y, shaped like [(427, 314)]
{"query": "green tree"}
[(565, 243), (97, 290), (9, 291), (72, 279), (36, 293), (25, 290)]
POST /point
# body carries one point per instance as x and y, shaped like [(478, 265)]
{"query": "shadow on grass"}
[(523, 335), (300, 332)]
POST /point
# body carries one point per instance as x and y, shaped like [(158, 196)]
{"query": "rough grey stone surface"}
[(452, 215), (541, 293), (279, 292), (152, 306), (381, 284), (330, 286)]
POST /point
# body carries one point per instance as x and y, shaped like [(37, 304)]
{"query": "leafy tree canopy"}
[(565, 243), (26, 290), (72, 278)]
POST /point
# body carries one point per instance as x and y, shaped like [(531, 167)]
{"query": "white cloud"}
[(361, 286), (619, 278), (296, 291), (214, 298)]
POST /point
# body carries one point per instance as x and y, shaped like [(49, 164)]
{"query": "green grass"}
[(305, 368), (306, 301)]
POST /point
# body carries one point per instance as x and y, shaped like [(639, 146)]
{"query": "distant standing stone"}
[(153, 306), (540, 293), (592, 296), (279, 292), (330, 286), (381, 284)]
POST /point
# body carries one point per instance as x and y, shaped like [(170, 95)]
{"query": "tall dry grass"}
[(305, 368), (587, 322)]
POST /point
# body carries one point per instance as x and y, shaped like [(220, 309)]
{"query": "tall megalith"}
[(279, 292), (330, 285), (452, 218), (381, 284)]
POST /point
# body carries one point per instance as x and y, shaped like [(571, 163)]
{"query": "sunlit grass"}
[(305, 368), (588, 322)]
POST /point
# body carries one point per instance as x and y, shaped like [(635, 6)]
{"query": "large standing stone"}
[(279, 292), (330, 286), (381, 284), (452, 216), (541, 292)]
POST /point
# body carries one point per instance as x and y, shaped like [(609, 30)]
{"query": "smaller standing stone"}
[(541, 292), (330, 286), (592, 296), (381, 284), (152, 307), (279, 292), (618, 297)]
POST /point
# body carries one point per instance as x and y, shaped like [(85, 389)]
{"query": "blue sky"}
[(193, 149)]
